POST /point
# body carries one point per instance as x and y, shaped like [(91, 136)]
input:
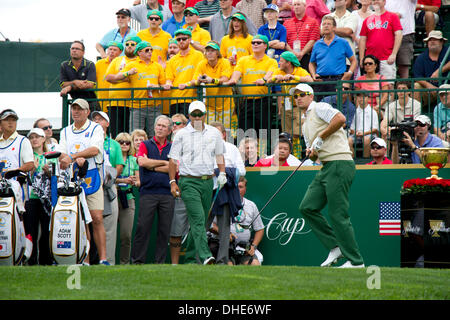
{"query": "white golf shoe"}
[(333, 257), (348, 264)]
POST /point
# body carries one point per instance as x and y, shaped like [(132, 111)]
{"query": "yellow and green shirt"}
[(116, 66), (242, 45), (101, 66), (252, 69), (159, 42), (199, 35)]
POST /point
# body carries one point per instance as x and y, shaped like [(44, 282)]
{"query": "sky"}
[(53, 21)]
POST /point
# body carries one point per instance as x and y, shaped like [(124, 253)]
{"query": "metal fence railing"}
[(263, 116)]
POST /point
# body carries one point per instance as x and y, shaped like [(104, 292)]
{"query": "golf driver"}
[(276, 192)]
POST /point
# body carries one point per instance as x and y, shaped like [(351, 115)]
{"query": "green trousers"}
[(331, 186), (197, 197)]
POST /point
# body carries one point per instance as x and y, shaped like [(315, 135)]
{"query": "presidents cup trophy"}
[(434, 159)]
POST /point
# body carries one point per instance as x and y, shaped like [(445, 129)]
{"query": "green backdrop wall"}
[(288, 240)]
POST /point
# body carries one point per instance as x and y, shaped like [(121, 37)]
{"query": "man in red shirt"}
[(282, 156), (381, 35), (378, 152), (301, 33), (427, 14)]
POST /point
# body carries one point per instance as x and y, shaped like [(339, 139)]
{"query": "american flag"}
[(389, 218)]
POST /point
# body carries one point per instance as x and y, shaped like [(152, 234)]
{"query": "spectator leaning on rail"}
[(422, 139), (118, 34)]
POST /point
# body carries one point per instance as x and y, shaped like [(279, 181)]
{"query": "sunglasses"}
[(303, 94), (46, 128), (130, 44), (421, 124), (257, 43), (189, 14), (148, 50), (154, 18), (346, 88), (376, 147), (127, 143), (182, 39), (197, 114), (178, 122), (368, 63)]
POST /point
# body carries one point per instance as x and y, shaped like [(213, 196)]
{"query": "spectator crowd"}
[(136, 111)]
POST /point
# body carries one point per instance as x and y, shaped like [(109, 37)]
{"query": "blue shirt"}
[(172, 25), (348, 108), (441, 116), (279, 33), (330, 60), (424, 66), (114, 35), (431, 142)]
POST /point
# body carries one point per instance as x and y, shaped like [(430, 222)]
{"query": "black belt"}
[(205, 177), (331, 77)]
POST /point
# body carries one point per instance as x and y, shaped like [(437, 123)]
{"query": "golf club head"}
[(245, 226), (52, 154)]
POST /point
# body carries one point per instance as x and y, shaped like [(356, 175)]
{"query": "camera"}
[(397, 129), (203, 77)]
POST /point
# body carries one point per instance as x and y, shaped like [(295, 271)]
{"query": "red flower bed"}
[(426, 185)]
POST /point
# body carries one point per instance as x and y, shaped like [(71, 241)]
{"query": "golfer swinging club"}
[(326, 139)]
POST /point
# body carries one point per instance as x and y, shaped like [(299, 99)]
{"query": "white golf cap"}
[(102, 114), (444, 86), (37, 131), (423, 119), (379, 142), (197, 105), (81, 103), (301, 87)]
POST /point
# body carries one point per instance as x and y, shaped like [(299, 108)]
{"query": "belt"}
[(332, 77), (205, 177)]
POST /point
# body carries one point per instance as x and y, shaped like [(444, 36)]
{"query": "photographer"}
[(423, 139)]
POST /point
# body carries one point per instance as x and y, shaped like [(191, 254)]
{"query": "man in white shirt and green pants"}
[(326, 139)]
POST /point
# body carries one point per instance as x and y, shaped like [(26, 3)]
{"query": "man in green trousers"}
[(325, 139), (195, 148)]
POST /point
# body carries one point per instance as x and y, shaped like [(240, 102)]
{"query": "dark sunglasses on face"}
[(346, 88), (197, 114), (181, 39), (303, 94), (154, 18), (257, 43), (421, 124), (127, 143), (148, 50), (129, 44), (368, 63), (46, 128), (375, 147), (189, 14), (177, 122)]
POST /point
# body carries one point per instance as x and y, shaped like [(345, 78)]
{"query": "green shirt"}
[(112, 148), (129, 169)]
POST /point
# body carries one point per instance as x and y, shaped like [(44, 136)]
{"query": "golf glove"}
[(222, 179), (317, 144)]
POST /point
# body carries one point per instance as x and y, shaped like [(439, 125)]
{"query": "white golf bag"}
[(15, 248), (68, 238)]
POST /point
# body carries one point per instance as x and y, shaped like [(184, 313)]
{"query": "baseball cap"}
[(142, 45), (444, 86), (8, 112), (292, 58), (423, 119), (261, 37), (435, 34), (301, 87), (102, 114), (239, 16), (183, 31), (125, 12), (273, 7), (37, 131), (155, 13), (197, 105), (83, 104), (182, 1), (115, 44), (191, 10), (213, 45), (379, 142), (133, 38)]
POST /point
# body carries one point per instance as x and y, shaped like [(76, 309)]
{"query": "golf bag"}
[(15, 247), (68, 237)]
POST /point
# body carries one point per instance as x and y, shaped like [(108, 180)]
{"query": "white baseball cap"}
[(37, 131), (197, 105), (301, 87), (379, 142), (102, 114), (423, 119)]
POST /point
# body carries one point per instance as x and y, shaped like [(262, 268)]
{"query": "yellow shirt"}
[(199, 35), (180, 69), (222, 68), (101, 66), (159, 42), (116, 66), (242, 45), (298, 72), (252, 69), (152, 73)]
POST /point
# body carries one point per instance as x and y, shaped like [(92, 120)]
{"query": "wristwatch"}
[(254, 245), (415, 148)]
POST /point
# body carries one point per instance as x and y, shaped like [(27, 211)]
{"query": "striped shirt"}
[(207, 8), (305, 29)]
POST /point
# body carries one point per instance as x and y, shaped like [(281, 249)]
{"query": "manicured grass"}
[(192, 282)]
